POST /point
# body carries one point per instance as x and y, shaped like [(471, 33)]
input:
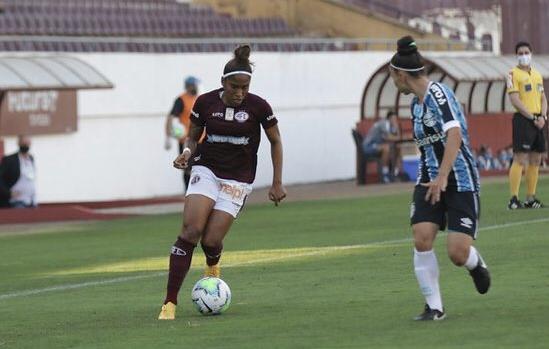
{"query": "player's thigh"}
[(521, 158), (201, 197), (534, 158), (426, 219), (217, 227), (198, 209)]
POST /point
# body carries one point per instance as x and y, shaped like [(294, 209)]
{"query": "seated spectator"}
[(505, 157), (381, 141), (486, 159), (17, 177)]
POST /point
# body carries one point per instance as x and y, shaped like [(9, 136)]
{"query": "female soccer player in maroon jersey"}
[(223, 169)]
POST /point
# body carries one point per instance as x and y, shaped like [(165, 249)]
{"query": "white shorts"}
[(229, 195)]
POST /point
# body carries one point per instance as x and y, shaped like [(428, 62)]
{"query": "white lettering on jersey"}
[(439, 95), (228, 139), (437, 137), (270, 117)]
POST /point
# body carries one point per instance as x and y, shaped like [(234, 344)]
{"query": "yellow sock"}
[(515, 175), (531, 174)]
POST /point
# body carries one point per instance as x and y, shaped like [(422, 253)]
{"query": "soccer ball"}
[(178, 129), (211, 296)]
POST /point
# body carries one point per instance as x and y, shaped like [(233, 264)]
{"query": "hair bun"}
[(406, 46), (242, 54)]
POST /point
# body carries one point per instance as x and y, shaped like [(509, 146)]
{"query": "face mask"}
[(524, 60), (24, 149)]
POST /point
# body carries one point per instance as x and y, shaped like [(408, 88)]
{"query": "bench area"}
[(494, 130)]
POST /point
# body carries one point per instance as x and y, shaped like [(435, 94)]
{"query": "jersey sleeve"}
[(177, 108), (512, 82), (444, 100), (266, 115), (198, 114)]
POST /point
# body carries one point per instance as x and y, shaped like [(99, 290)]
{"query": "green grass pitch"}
[(322, 274)]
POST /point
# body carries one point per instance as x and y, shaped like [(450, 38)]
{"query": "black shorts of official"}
[(460, 211), (526, 136)]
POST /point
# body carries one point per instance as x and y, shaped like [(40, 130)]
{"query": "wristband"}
[(187, 149)]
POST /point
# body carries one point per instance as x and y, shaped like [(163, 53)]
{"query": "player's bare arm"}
[(450, 154), (182, 161), (277, 192)]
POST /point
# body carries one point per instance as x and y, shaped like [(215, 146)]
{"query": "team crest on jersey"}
[(195, 179), (241, 116), (429, 119)]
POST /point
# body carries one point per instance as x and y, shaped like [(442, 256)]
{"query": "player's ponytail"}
[(240, 64), (408, 58)]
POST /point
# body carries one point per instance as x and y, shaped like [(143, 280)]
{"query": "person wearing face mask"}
[(17, 177), (526, 93), (180, 115)]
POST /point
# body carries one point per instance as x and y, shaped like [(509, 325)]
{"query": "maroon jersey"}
[(232, 134)]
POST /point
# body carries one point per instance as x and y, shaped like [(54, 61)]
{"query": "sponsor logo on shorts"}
[(241, 116), (236, 192), (178, 252), (466, 222), (195, 179)]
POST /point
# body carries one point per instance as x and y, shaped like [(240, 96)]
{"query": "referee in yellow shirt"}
[(525, 90)]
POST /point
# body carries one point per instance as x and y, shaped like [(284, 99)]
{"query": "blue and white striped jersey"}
[(431, 119)]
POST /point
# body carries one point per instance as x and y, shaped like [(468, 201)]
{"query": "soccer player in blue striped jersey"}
[(447, 187)]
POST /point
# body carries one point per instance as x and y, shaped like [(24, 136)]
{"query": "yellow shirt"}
[(529, 86)]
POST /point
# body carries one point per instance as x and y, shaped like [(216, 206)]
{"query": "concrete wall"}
[(118, 152)]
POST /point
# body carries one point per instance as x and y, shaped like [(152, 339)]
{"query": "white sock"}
[(426, 269), (472, 260)]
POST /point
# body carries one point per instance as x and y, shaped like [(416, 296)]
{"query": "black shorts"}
[(459, 210), (526, 136)]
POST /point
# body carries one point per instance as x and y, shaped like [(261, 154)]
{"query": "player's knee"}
[(423, 244), (191, 233), (458, 255), (211, 241)]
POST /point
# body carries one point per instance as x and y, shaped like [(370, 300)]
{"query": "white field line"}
[(323, 250)]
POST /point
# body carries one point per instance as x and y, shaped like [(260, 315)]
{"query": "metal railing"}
[(167, 45)]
